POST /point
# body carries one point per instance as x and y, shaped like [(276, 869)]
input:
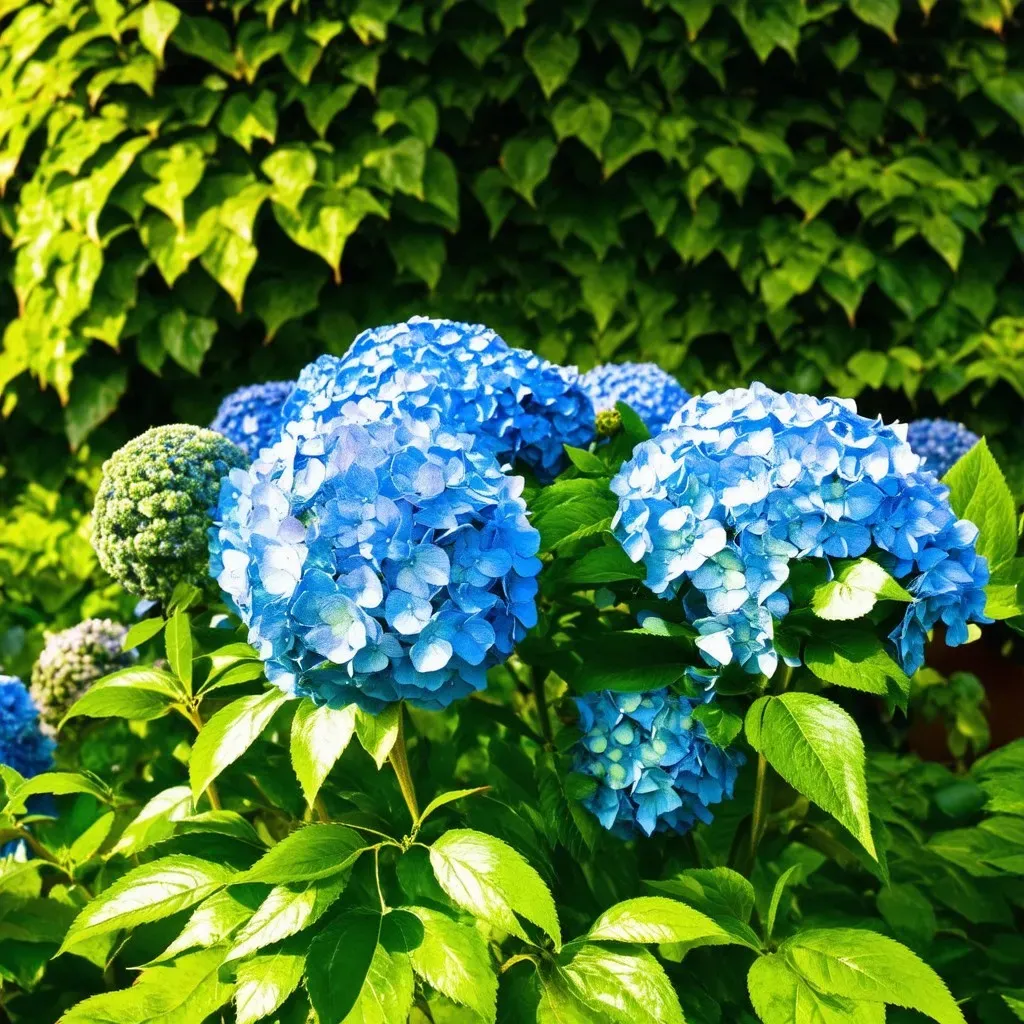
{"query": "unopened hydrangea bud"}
[(646, 388), (607, 423)]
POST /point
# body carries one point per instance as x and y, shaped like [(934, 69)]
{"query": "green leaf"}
[(585, 461), (448, 798), (855, 659), (605, 565), (140, 632), (178, 639), (378, 733), (717, 892), (527, 162), (186, 992), (490, 880), (615, 985), (878, 13), (86, 845), (388, 990), (156, 23), (287, 910), (585, 119), (141, 693), (338, 964), (319, 737), (314, 851), (245, 119), (648, 919), (721, 726), (214, 921), (856, 964), (187, 338), (551, 56), (854, 591), (229, 734), (265, 982), (781, 996), (992, 848), (908, 913), (155, 822), (93, 400), (454, 960), (817, 748), (148, 893), (773, 905), (978, 492), (57, 784), (734, 166)]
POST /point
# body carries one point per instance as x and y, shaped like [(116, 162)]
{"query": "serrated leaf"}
[(490, 880), (155, 822), (178, 640), (319, 737), (265, 982), (655, 919), (605, 565), (817, 748), (314, 851), (213, 921), (855, 589), (339, 962), (140, 632), (141, 693), (855, 659), (781, 996), (378, 733), (448, 798)]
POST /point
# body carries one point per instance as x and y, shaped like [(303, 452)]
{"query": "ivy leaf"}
[(148, 893), (781, 996), (229, 734), (314, 851), (878, 13), (93, 400), (378, 733), (551, 56), (266, 981), (490, 880), (855, 589), (978, 492), (277, 302), (187, 338), (319, 737), (527, 161), (817, 748), (855, 964), (245, 119), (587, 120), (339, 962), (156, 23)]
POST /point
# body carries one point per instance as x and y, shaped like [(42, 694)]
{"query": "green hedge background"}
[(823, 194)]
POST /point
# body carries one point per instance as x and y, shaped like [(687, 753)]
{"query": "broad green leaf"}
[(855, 590), (185, 992), (490, 880), (156, 23), (178, 639), (721, 726), (141, 693), (378, 733), (246, 119), (288, 909), (86, 845), (551, 56), (586, 462), (214, 921), (313, 851), (781, 996), (155, 822), (140, 632), (878, 13), (527, 161), (229, 734), (817, 748), (908, 913), (222, 823), (388, 990), (319, 737), (605, 565), (265, 982), (187, 338), (854, 658), (453, 959), (857, 964), (57, 784), (338, 963), (617, 985), (655, 919), (93, 400), (148, 893), (448, 798), (978, 492), (716, 892), (993, 847), (33, 919)]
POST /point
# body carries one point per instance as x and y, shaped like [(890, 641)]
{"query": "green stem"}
[(537, 681), (192, 714), (399, 759)]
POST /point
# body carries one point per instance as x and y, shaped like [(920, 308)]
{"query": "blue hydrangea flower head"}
[(519, 406), (23, 745), (71, 661), (377, 562), (656, 769), (251, 416), (645, 387), (940, 443), (152, 509), (746, 481)]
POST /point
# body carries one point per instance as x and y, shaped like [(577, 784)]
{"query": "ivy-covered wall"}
[(824, 194)]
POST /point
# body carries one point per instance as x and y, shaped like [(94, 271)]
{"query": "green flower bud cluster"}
[(607, 423), (72, 661), (152, 509)]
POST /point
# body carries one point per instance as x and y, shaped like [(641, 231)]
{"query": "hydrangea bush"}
[(940, 443), (460, 705), (251, 415)]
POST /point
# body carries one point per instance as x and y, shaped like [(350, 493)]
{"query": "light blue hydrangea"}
[(377, 562), (519, 406), (251, 416), (656, 769), (940, 443), (23, 745), (645, 387), (744, 482)]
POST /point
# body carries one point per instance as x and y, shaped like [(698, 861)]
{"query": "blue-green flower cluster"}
[(655, 768), (746, 481), (646, 388), (23, 745), (71, 661), (940, 443), (377, 562), (520, 407), (251, 416), (152, 509)]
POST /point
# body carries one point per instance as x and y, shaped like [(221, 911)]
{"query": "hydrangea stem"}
[(192, 714), (399, 759)]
